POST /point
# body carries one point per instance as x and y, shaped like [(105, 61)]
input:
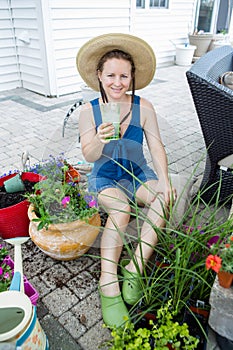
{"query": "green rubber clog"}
[(114, 310), (131, 288)]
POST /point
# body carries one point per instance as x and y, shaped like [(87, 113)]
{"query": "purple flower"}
[(212, 241), (65, 201), (1, 270)]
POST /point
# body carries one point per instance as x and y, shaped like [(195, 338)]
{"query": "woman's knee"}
[(114, 201)]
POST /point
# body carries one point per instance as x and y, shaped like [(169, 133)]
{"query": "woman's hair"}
[(119, 55)]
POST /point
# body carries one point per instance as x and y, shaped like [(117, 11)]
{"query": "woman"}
[(115, 64)]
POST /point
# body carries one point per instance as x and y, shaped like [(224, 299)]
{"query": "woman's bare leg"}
[(116, 205), (155, 216)]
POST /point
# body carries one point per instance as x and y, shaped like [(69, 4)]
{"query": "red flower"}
[(213, 262), (227, 245)]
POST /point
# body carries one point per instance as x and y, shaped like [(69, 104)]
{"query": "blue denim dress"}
[(122, 163)]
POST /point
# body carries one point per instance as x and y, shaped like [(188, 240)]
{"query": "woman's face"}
[(115, 77)]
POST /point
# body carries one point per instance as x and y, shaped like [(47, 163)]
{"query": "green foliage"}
[(180, 254), (5, 271), (165, 331), (56, 199)]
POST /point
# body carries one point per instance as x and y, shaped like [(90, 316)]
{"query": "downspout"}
[(132, 16), (44, 20)]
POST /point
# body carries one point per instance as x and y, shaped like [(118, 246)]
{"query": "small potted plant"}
[(14, 220), (222, 262), (163, 333), (64, 218)]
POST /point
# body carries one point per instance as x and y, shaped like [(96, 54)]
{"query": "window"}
[(159, 3), (148, 4), (212, 16), (140, 4)]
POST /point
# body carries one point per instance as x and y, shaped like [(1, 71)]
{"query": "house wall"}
[(23, 47), (165, 28), (40, 38), (73, 23)]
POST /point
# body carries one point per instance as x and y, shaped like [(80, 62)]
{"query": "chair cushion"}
[(226, 162)]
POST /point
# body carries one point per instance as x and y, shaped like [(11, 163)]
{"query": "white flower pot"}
[(184, 54)]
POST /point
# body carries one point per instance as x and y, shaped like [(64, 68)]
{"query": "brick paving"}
[(69, 306)]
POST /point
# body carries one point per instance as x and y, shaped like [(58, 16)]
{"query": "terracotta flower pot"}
[(14, 221), (225, 279), (65, 241)]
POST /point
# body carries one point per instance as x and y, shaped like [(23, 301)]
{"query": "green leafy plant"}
[(59, 197), (176, 269), (5, 270), (163, 334)]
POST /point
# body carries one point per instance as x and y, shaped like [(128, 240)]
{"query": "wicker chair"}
[(214, 107)]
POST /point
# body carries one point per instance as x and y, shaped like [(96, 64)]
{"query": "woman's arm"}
[(159, 158)]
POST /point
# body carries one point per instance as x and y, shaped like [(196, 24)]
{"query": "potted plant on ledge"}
[(64, 218), (222, 262)]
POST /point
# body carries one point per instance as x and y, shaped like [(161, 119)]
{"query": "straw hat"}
[(90, 53)]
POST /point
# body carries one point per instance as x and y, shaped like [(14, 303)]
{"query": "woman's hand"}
[(169, 192), (104, 132)]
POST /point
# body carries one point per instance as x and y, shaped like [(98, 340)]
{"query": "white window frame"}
[(158, 7), (146, 5)]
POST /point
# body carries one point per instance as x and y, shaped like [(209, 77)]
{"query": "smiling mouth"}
[(116, 90)]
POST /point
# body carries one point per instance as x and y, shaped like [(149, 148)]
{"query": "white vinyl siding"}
[(9, 72), (30, 62), (73, 23), (165, 28), (56, 29)]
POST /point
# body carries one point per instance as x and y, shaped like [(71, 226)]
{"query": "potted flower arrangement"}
[(64, 218), (163, 333), (14, 220), (222, 262)]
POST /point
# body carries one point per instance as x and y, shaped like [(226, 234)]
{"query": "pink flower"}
[(1, 270), (65, 201), (7, 275), (92, 203)]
